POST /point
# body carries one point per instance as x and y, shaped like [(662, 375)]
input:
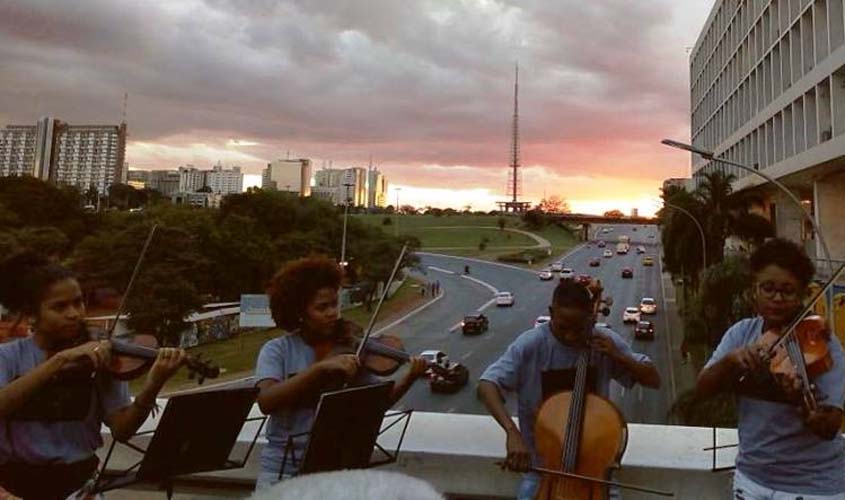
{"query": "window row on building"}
[(786, 42), (812, 119)]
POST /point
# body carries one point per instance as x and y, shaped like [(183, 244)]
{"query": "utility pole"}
[(343, 262), (396, 232)]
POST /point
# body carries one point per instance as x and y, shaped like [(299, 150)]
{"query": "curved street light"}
[(700, 232), (709, 155)]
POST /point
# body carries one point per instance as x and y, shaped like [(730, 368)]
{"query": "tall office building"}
[(224, 181), (288, 175), (768, 91), (376, 189), (342, 185), (191, 179), (76, 155)]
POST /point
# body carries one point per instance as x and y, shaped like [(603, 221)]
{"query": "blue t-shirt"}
[(776, 448), (63, 441), (281, 359), (535, 352)]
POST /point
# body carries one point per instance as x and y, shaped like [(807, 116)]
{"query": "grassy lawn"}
[(433, 234), (238, 355)]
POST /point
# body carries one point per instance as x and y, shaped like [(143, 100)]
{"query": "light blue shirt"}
[(521, 367), (279, 360), (66, 441), (776, 449)]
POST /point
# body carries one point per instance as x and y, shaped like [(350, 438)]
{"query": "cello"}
[(579, 458)]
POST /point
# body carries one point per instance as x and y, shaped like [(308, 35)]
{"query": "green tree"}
[(46, 240), (501, 222), (37, 203)]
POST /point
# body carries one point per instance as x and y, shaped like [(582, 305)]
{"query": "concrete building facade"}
[(376, 189), (288, 175), (76, 155), (343, 185), (768, 91), (225, 181), (191, 179)]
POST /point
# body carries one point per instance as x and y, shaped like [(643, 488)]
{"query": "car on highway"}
[(475, 323), (640, 249), (595, 262), (648, 261), (601, 244), (644, 330), (557, 266), (585, 279), (447, 377), (602, 324), (627, 273), (608, 253), (651, 236), (545, 275), (504, 299), (567, 274), (631, 315), (633, 229), (648, 306), (541, 319)]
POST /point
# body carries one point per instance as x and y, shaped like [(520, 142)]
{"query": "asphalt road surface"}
[(437, 327)]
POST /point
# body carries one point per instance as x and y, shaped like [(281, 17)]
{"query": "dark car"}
[(627, 273), (475, 323), (595, 263), (451, 380), (602, 244), (644, 330), (585, 279)]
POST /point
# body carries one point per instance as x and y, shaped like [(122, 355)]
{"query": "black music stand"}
[(196, 433), (346, 428)]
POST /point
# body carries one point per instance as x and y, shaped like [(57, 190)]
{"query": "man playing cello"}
[(540, 362)]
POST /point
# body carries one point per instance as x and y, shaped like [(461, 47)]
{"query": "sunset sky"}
[(425, 87)]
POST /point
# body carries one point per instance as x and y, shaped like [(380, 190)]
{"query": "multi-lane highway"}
[(437, 327)]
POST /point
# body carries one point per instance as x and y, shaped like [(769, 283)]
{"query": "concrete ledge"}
[(457, 454)]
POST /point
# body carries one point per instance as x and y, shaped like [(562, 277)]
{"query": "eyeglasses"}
[(769, 290)]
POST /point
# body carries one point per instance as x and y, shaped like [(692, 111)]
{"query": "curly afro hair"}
[(296, 284), (786, 255), (26, 276)]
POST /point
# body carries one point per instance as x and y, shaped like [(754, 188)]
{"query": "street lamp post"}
[(397, 211), (710, 155), (345, 216), (700, 232)]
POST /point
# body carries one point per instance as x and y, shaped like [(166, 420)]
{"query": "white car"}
[(556, 267), (631, 315), (567, 274), (540, 320), (648, 306), (545, 274), (608, 253), (640, 249), (504, 299)]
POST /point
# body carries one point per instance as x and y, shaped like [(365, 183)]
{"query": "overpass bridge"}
[(586, 220)]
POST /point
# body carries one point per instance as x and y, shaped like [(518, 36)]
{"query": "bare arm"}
[(643, 372), (15, 394), (275, 394), (416, 370), (721, 374), (124, 423), (519, 456)]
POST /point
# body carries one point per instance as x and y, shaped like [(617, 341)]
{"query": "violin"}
[(132, 356), (382, 355), (801, 352), (571, 449)]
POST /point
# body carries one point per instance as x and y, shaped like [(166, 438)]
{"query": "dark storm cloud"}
[(411, 81)]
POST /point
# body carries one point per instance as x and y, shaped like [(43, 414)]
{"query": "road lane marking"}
[(668, 334), (487, 304), (509, 266), (482, 283), (456, 326), (465, 356), (440, 269), (410, 314)]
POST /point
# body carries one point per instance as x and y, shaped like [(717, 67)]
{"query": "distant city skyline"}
[(425, 89)]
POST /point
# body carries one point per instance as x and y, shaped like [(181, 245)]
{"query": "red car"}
[(595, 263), (585, 279), (627, 273)]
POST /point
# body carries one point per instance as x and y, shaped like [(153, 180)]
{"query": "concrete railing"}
[(457, 454)]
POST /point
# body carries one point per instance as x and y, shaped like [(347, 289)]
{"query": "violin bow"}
[(137, 268), (626, 486), (381, 301)]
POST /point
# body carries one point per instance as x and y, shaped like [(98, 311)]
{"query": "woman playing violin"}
[(785, 450), (292, 370), (51, 417), (541, 362)]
